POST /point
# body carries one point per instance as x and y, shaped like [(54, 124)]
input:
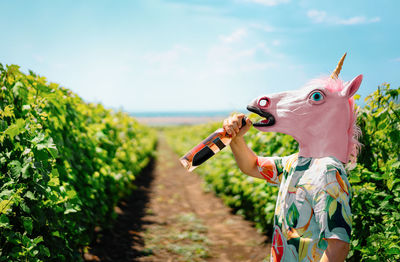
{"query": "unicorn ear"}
[(350, 88)]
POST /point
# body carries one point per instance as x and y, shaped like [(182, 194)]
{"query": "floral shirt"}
[(313, 205)]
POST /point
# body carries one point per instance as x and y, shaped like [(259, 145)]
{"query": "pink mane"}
[(354, 132)]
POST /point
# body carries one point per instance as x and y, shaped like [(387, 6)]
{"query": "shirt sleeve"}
[(271, 168), (332, 206)]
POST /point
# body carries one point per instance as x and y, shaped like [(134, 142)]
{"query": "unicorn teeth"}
[(269, 118), (270, 121), (262, 123)]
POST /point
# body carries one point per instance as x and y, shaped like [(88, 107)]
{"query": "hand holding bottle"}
[(235, 126)]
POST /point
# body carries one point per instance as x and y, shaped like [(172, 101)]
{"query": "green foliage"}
[(375, 179), (64, 164)]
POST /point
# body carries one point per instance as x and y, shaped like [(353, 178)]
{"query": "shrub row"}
[(64, 164), (375, 179)]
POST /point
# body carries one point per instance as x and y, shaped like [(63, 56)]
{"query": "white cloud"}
[(263, 27), (174, 61), (269, 2), (318, 16), (183, 76), (396, 59), (246, 56), (276, 42), (235, 36), (263, 48), (358, 20), (195, 8), (228, 60), (169, 56)]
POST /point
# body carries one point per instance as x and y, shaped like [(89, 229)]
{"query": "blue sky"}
[(170, 55)]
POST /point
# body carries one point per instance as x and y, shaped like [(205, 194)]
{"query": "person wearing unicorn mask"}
[(312, 220)]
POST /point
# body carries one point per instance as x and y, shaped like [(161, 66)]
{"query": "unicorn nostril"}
[(263, 102)]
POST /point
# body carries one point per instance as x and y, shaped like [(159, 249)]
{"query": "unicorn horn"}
[(336, 73)]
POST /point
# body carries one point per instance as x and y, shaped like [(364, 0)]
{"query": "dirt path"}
[(171, 218)]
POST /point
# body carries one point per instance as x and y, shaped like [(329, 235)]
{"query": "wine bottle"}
[(207, 148)]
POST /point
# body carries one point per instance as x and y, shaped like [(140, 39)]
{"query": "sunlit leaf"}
[(15, 128), (5, 205)]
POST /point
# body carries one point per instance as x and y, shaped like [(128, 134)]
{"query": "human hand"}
[(233, 125)]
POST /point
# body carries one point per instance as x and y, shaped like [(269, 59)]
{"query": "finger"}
[(240, 117), (236, 127), (235, 124), (248, 122), (226, 127), (231, 127)]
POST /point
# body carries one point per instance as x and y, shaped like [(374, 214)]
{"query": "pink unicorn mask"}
[(320, 116)]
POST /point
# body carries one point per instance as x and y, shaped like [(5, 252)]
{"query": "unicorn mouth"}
[(269, 118)]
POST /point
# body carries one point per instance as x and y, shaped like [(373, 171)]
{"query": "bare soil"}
[(170, 218)]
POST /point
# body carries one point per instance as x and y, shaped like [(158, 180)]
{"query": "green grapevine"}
[(64, 165)]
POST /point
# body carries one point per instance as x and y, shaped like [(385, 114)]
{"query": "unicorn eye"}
[(317, 97)]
